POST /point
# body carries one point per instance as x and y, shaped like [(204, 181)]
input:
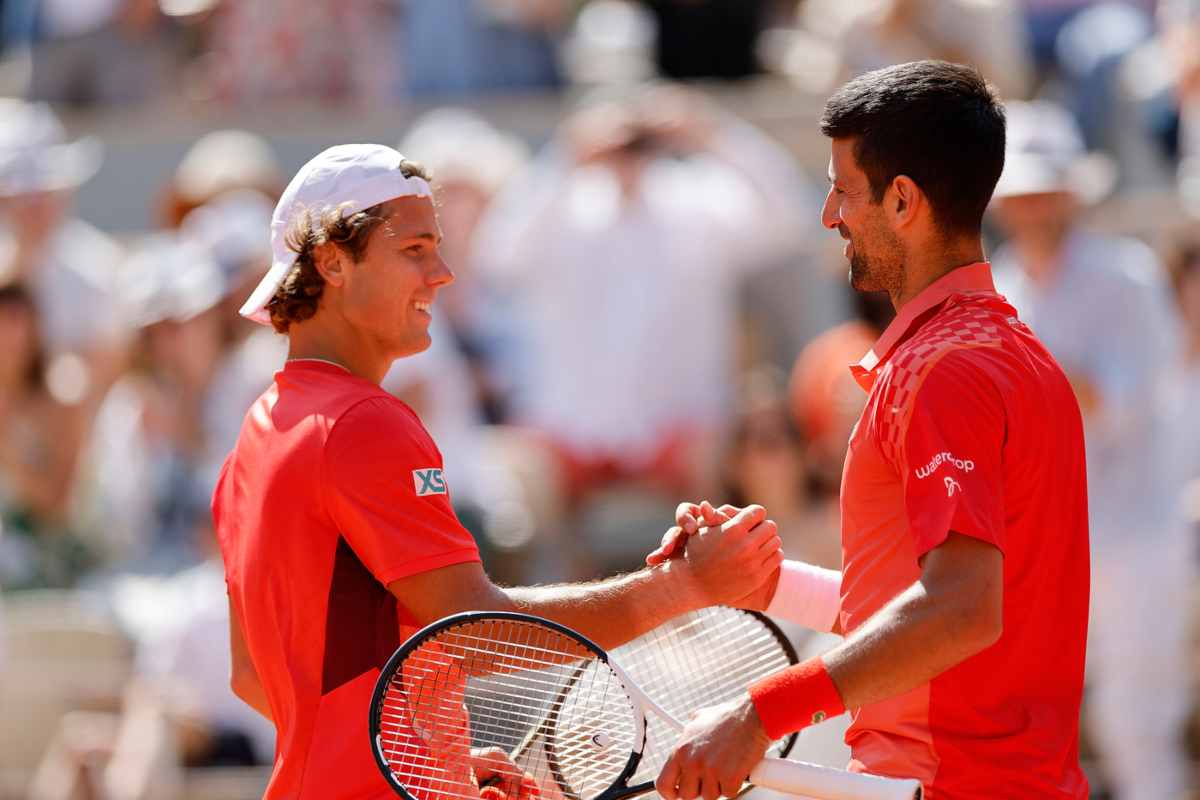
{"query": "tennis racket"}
[(568, 716)]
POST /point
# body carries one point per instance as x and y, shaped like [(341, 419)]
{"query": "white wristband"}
[(807, 595)]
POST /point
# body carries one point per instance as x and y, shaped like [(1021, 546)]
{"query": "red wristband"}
[(795, 698)]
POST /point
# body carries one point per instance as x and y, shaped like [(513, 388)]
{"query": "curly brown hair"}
[(300, 293)]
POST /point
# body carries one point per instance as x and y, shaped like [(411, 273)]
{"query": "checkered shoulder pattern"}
[(963, 324)]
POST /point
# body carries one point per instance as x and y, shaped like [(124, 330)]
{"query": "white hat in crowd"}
[(1045, 153), (225, 160), (351, 176), (169, 277), (235, 227), (35, 155), (457, 144)]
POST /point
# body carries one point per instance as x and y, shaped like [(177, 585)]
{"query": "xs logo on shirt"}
[(429, 481), (951, 486)]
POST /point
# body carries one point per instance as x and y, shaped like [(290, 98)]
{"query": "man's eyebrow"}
[(433, 237), (426, 236)]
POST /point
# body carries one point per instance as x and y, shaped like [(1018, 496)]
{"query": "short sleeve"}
[(385, 491), (952, 456)]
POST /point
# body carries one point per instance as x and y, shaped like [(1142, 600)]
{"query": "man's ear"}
[(331, 263), (904, 201)]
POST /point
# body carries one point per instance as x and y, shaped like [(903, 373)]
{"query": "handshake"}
[(734, 554)]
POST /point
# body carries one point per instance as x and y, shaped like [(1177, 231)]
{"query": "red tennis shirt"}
[(971, 427), (333, 491)]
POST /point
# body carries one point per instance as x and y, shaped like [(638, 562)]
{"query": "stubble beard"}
[(860, 272)]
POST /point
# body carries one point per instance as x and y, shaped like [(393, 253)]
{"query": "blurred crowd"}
[(646, 310)]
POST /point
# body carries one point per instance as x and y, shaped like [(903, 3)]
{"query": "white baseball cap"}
[(353, 176)]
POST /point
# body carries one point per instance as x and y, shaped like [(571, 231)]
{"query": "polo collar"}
[(968, 279)]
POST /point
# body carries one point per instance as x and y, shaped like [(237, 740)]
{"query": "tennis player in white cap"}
[(333, 513)]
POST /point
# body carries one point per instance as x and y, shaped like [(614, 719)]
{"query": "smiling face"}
[(875, 253), (386, 297)]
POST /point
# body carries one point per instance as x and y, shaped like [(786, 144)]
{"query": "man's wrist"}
[(795, 698), (752, 723), (680, 589)]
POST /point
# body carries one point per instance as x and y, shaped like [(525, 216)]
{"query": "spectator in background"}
[(470, 161), (234, 229), (1180, 20), (766, 462), (709, 38), (886, 32), (1183, 265), (454, 47), (177, 711), (271, 51), (1101, 305), (638, 221), (69, 266), (151, 461), (825, 400), (101, 52), (39, 448), (220, 162), (1045, 21)]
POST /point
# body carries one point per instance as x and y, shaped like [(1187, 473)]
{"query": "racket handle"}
[(827, 783)]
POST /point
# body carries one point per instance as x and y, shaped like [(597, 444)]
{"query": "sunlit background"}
[(646, 310)]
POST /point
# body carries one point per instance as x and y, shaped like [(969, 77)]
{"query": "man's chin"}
[(418, 345), (859, 281)]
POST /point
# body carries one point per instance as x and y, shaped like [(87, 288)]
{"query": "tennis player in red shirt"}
[(963, 593), (333, 511)]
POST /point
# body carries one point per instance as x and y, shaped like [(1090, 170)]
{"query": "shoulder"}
[(960, 340), (378, 413), (379, 423)]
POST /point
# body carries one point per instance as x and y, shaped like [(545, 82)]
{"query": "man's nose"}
[(830, 216)]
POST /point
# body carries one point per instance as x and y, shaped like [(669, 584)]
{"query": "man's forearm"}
[(912, 639), (616, 610)]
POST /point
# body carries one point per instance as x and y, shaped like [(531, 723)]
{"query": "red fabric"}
[(317, 509), (671, 467), (796, 697), (970, 426)]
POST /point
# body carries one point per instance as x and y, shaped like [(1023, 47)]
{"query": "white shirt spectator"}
[(1108, 317), (629, 304)]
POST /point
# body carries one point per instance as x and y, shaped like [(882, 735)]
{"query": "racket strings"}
[(557, 710), (700, 659)]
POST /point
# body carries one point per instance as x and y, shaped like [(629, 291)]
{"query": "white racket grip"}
[(827, 783)]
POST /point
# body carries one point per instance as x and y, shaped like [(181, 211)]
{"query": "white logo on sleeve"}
[(961, 464), (952, 486), (429, 481)]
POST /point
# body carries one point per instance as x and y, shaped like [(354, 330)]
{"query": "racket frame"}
[(777, 767), (393, 666)]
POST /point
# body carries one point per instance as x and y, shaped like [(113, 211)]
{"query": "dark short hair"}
[(939, 123), (298, 297)]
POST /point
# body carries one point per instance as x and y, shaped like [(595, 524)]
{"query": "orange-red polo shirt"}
[(971, 426), (333, 491)]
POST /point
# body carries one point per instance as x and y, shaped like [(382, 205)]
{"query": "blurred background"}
[(646, 310)]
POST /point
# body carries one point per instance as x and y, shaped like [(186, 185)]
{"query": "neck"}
[(921, 270), (310, 339)]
